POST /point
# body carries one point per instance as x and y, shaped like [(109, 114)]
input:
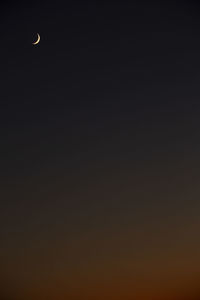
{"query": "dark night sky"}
[(99, 143)]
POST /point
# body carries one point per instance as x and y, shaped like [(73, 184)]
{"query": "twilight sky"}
[(99, 150)]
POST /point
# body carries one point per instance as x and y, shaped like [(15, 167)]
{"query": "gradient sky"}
[(99, 143)]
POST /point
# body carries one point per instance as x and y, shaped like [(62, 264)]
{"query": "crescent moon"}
[(38, 39)]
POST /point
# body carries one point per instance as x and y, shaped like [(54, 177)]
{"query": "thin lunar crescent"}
[(38, 40)]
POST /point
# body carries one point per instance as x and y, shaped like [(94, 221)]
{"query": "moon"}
[(38, 40)]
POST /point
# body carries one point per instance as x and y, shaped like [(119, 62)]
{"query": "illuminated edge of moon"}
[(38, 40)]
